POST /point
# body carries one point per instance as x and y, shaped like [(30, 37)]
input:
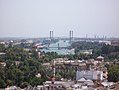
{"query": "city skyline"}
[(87, 18)]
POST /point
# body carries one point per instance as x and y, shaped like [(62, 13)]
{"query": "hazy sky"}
[(35, 18)]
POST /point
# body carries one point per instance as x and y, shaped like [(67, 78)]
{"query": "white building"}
[(89, 74)]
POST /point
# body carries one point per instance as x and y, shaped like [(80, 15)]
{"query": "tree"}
[(2, 48), (24, 84), (2, 83), (113, 74), (9, 82), (58, 76), (36, 81)]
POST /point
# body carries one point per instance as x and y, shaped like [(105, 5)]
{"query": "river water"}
[(54, 48)]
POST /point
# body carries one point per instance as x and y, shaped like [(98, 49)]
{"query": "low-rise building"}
[(90, 74)]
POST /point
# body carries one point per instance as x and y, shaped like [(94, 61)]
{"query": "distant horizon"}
[(57, 37)]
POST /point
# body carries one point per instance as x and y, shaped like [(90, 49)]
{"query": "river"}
[(54, 47)]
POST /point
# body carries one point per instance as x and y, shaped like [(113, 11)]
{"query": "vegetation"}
[(108, 51), (83, 45), (22, 66), (113, 74)]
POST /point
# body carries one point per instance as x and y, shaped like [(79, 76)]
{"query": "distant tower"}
[(51, 34), (70, 36), (86, 36), (95, 36)]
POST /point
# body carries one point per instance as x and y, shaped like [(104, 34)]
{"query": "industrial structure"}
[(51, 34), (70, 36)]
